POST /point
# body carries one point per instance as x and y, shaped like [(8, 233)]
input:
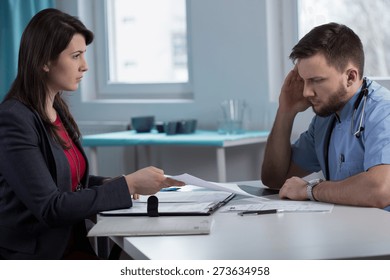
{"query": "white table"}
[(345, 233), (200, 138)]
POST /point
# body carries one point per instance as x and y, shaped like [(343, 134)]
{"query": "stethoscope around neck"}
[(362, 95)]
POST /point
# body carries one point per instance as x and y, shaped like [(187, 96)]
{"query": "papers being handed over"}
[(185, 202), (226, 187)]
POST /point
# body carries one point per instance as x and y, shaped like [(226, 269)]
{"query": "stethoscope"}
[(362, 95)]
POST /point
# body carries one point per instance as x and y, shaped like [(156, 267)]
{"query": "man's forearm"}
[(370, 189), (277, 155)]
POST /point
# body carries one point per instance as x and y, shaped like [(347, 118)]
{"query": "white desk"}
[(200, 138), (345, 233)]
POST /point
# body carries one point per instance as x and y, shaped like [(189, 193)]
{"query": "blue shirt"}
[(347, 154)]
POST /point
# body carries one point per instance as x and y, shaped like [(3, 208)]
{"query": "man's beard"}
[(336, 103)]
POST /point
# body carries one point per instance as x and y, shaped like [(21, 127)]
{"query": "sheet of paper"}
[(192, 180), (141, 208), (187, 196), (142, 226), (253, 204)]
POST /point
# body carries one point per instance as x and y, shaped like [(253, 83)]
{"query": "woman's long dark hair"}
[(45, 37)]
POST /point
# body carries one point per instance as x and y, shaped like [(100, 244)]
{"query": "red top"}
[(75, 158)]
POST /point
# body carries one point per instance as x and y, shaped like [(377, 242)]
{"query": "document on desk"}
[(187, 196), (146, 226), (195, 181), (196, 203), (253, 204)]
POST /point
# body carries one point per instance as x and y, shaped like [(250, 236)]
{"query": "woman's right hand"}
[(149, 180)]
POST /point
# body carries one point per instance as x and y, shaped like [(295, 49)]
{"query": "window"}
[(367, 19), (145, 45)]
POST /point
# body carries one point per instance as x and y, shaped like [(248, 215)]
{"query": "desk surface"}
[(200, 138), (345, 233)]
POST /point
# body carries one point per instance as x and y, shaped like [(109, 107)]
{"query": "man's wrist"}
[(310, 187), (286, 112)]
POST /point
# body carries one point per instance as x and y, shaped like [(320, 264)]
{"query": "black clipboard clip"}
[(152, 208), (220, 204)]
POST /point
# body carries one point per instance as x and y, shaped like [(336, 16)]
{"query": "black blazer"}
[(37, 206)]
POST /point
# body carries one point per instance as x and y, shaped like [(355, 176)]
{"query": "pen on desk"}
[(274, 211), (259, 212)]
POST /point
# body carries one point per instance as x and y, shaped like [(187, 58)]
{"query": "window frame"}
[(282, 35), (126, 92)]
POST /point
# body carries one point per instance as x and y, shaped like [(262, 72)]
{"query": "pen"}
[(259, 212), (274, 211)]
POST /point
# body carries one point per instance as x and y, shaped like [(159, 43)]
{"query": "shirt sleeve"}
[(377, 135)]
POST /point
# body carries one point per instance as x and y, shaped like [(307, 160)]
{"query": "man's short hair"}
[(337, 42)]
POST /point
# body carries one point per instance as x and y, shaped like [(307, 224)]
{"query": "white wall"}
[(229, 54)]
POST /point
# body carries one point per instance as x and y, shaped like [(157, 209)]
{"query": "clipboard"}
[(191, 208)]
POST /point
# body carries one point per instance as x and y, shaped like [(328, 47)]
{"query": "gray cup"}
[(142, 124)]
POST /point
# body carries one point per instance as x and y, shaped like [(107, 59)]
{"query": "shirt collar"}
[(347, 111)]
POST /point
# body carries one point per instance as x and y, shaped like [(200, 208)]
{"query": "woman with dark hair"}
[(45, 189)]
